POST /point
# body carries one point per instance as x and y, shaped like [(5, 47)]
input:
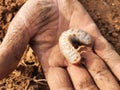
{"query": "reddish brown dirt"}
[(29, 75), (106, 15)]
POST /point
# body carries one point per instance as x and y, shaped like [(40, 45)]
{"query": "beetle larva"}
[(67, 42)]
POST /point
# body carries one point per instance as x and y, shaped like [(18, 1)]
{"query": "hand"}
[(40, 24)]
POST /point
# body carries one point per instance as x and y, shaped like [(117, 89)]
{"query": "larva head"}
[(79, 37), (84, 37)]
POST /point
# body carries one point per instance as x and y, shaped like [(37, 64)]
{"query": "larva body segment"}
[(66, 41)]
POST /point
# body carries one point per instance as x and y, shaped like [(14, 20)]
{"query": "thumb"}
[(13, 46)]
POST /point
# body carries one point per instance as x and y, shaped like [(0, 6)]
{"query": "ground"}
[(29, 75)]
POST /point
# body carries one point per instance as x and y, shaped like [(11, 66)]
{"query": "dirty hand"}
[(40, 23)]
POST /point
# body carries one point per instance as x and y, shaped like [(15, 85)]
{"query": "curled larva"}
[(67, 40)]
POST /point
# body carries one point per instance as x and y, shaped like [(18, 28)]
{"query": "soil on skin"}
[(29, 75)]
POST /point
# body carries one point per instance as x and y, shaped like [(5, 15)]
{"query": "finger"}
[(52, 62), (101, 75), (109, 55), (80, 78), (58, 79), (82, 20)]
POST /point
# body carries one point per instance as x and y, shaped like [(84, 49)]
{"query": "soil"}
[(29, 75)]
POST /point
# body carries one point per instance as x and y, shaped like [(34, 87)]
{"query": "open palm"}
[(40, 23)]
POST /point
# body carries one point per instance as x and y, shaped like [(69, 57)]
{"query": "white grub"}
[(66, 41)]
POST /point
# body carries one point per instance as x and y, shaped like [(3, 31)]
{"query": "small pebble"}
[(115, 34), (9, 17), (113, 4)]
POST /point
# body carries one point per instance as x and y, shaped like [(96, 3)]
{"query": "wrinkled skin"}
[(40, 23)]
